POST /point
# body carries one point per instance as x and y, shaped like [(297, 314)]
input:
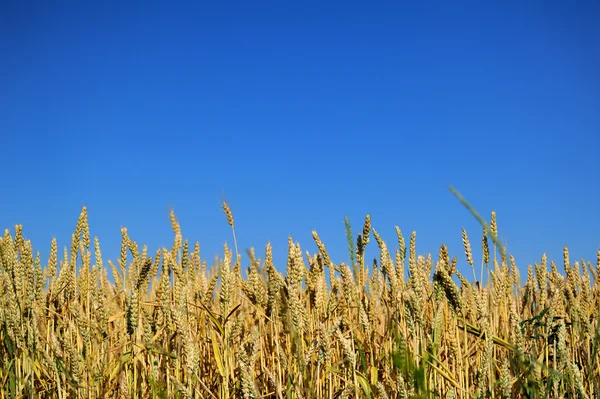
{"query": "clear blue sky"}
[(300, 113)]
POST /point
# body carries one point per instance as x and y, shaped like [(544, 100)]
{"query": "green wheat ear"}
[(350, 239), (481, 221)]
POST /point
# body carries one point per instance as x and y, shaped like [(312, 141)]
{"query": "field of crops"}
[(399, 326)]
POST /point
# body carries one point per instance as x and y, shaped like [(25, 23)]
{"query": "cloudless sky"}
[(299, 114)]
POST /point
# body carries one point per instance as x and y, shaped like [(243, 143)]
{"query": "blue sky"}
[(301, 113)]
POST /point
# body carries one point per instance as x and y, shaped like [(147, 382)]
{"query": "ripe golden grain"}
[(171, 326)]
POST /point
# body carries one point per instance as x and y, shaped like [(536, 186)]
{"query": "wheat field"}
[(401, 325)]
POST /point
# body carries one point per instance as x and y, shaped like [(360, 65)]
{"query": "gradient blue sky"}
[(300, 113)]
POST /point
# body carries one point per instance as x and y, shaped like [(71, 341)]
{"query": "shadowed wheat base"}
[(399, 326)]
